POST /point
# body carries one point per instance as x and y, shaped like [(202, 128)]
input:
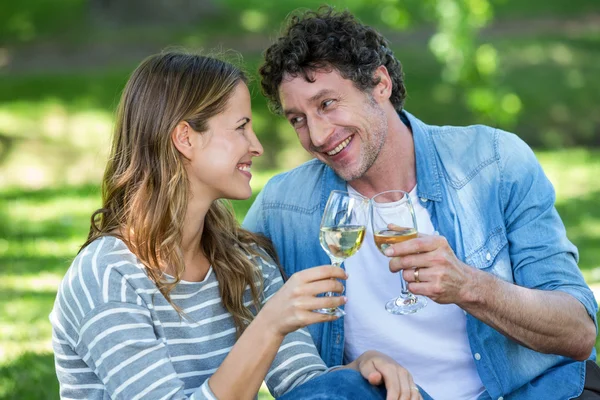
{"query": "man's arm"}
[(550, 309), (545, 321)]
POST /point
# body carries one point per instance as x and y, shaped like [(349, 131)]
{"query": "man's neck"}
[(395, 167)]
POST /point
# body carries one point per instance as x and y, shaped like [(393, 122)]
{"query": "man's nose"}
[(320, 131)]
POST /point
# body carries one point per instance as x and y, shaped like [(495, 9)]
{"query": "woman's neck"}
[(195, 261)]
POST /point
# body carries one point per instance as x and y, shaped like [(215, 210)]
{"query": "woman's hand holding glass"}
[(292, 306)]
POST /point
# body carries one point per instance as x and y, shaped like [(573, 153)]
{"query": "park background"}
[(531, 67)]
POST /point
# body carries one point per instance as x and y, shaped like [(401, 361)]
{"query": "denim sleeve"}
[(542, 256)]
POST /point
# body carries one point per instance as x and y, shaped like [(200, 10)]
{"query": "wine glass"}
[(340, 233), (393, 221)]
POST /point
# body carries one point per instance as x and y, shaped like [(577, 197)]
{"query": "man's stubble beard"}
[(377, 134)]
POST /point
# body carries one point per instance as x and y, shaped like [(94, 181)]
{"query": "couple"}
[(169, 298)]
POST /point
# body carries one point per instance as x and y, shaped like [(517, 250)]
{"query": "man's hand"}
[(379, 369), (431, 268)]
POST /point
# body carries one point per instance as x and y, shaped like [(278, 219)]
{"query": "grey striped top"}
[(115, 336)]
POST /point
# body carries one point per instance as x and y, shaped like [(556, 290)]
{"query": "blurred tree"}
[(151, 12), (470, 65)]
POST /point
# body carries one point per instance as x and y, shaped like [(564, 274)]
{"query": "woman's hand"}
[(292, 306), (379, 369)]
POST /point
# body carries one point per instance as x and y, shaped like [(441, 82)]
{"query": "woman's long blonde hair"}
[(145, 188)]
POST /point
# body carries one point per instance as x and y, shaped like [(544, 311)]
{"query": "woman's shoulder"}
[(107, 253), (262, 258), (100, 265)]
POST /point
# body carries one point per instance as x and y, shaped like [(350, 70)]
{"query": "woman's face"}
[(220, 162)]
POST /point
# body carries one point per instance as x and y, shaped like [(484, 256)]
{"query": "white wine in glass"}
[(393, 221), (340, 235)]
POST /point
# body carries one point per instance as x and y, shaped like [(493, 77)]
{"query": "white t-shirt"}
[(432, 344)]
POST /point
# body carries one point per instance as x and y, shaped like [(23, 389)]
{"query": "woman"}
[(169, 297)]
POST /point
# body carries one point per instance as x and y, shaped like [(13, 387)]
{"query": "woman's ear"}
[(181, 139)]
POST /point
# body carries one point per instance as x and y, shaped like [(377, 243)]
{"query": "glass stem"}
[(404, 287), (334, 263), (404, 293)]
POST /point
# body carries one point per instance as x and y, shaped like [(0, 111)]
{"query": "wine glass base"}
[(405, 305), (338, 312)]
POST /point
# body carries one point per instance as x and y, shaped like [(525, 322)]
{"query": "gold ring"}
[(414, 388), (416, 275)]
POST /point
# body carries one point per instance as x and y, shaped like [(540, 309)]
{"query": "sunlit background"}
[(530, 67)]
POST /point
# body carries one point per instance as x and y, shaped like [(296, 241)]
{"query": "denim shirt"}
[(487, 194)]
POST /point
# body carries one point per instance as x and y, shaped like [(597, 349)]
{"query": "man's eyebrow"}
[(319, 95)]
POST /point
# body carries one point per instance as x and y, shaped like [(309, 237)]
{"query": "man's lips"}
[(339, 147)]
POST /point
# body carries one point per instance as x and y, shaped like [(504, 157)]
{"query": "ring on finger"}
[(416, 275)]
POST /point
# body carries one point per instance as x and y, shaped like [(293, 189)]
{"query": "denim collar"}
[(428, 176)]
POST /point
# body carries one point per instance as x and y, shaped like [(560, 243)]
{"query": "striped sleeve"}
[(297, 360), (104, 335)]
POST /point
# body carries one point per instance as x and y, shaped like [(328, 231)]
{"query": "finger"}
[(392, 383), (309, 303), (320, 273), (311, 317), (414, 393), (370, 373), (375, 378), (426, 259), (422, 288), (424, 274), (414, 389), (300, 288), (406, 385), (417, 245), (317, 287)]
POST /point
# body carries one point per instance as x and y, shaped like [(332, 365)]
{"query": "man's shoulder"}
[(465, 151), (455, 141)]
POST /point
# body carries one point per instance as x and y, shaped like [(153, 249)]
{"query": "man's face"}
[(337, 123)]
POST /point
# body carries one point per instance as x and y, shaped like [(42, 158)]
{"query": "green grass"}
[(41, 230)]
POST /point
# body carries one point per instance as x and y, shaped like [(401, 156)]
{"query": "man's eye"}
[(327, 103), (296, 121)]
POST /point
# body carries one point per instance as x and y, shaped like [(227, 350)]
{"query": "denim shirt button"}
[(423, 199), (488, 256), (477, 356), (337, 339), (500, 398)]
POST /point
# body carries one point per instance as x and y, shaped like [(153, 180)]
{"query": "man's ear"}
[(383, 90), (181, 139)]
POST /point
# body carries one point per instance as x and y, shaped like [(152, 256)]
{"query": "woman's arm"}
[(289, 308)]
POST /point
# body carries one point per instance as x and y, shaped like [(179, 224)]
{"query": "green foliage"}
[(27, 20)]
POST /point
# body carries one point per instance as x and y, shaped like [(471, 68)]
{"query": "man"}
[(511, 316)]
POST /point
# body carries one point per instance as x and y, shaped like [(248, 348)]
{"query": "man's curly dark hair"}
[(324, 40)]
